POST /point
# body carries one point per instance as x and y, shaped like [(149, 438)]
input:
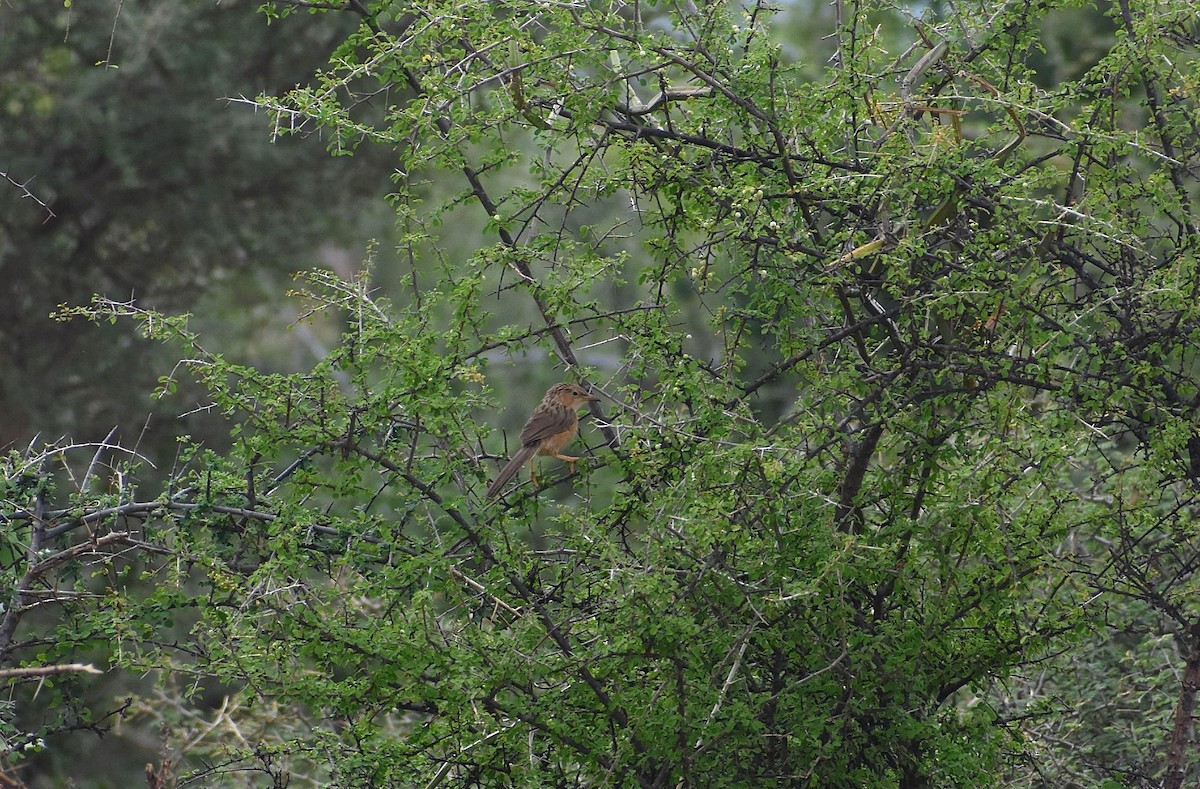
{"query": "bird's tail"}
[(510, 470)]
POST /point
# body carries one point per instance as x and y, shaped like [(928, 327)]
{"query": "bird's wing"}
[(547, 422)]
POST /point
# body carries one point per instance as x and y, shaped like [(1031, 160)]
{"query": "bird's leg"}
[(533, 475), (570, 461)]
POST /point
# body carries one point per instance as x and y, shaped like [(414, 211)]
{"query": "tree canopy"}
[(893, 476)]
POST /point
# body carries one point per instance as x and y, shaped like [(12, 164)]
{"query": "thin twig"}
[(24, 187)]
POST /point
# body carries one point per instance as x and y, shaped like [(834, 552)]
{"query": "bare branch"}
[(46, 671), (24, 187)]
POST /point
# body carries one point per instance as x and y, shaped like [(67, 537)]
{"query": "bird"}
[(551, 426)]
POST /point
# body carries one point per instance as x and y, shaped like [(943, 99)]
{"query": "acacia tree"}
[(897, 396)]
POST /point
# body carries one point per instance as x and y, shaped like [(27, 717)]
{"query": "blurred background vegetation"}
[(125, 119)]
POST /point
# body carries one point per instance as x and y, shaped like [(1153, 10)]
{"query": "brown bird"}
[(550, 428)]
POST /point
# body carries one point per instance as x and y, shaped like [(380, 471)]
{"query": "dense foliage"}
[(896, 441)]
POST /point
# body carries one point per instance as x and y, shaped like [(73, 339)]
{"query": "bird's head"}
[(571, 395)]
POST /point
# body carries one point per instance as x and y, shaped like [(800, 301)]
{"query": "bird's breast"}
[(555, 443)]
